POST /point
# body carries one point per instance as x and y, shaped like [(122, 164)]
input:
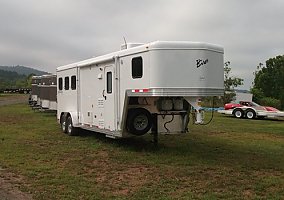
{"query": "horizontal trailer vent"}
[(101, 102)]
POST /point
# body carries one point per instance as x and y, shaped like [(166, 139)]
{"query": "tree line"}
[(11, 80), (268, 84)]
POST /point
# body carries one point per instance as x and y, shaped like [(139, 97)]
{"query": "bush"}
[(207, 102), (257, 94), (269, 101)]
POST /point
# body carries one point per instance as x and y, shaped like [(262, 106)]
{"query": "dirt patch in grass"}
[(224, 182), (121, 179), (9, 186)]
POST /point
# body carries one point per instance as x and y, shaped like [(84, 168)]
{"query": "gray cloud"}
[(46, 34)]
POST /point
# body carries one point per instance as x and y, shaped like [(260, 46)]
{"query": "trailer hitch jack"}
[(154, 129)]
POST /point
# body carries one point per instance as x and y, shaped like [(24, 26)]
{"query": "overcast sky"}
[(45, 34)]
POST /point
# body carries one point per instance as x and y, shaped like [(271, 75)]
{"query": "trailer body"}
[(44, 92), (35, 91), (47, 92), (118, 93)]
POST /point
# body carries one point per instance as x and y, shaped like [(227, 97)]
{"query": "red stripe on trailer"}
[(140, 90)]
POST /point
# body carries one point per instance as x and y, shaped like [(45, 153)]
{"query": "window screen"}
[(60, 84), (109, 82), (137, 67), (73, 82), (66, 83)]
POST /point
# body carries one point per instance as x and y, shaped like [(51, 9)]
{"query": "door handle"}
[(104, 94)]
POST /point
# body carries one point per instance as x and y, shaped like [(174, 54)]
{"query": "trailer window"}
[(109, 82), (73, 82), (137, 67), (66, 83), (60, 84)]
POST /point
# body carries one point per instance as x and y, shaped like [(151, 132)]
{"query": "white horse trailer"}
[(140, 88)]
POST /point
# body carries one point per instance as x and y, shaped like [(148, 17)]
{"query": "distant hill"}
[(17, 77), (10, 79), (21, 70), (10, 76)]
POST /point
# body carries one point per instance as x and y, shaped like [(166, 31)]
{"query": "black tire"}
[(63, 123), (139, 121), (238, 113), (71, 130), (250, 114)]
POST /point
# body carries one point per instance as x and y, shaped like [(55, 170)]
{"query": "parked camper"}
[(142, 87)]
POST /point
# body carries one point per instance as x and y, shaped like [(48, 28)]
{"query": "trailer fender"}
[(70, 129), (75, 118), (65, 115), (62, 121)]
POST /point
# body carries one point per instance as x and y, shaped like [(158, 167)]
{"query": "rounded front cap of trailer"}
[(186, 69), (185, 45)]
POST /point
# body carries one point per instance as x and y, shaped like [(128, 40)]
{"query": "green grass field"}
[(228, 159)]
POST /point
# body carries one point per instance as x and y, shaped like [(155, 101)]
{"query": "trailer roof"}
[(157, 45), (36, 77), (43, 76)]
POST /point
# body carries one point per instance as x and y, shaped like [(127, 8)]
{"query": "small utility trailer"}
[(250, 110), (139, 89)]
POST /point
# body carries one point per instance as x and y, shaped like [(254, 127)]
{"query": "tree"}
[(230, 82), (9, 79), (29, 81), (269, 79)]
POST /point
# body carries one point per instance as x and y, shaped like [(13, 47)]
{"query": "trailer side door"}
[(108, 93)]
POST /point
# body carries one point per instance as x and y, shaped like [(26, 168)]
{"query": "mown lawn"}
[(228, 159)]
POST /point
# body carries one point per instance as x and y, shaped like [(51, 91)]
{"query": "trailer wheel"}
[(238, 113), (63, 123), (250, 114), (71, 130), (139, 121)]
